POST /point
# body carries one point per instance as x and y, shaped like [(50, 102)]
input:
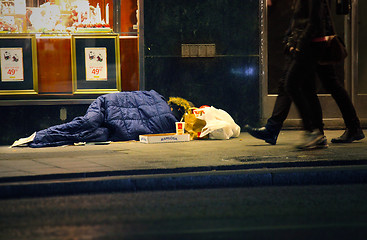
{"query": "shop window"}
[(46, 33), (68, 16)]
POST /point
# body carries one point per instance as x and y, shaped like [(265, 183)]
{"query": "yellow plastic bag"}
[(194, 126)]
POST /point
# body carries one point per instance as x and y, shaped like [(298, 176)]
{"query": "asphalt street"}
[(282, 212)]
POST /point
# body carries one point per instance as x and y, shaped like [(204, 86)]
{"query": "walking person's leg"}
[(269, 133), (299, 83), (329, 80)]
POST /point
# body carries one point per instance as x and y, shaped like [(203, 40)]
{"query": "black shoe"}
[(263, 134), (349, 136), (313, 140)]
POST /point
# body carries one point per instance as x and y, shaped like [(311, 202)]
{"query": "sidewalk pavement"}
[(135, 166)]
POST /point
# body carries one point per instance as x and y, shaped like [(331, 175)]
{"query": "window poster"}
[(96, 64), (12, 64)]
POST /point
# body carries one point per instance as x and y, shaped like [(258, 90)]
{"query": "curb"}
[(202, 169), (187, 180)]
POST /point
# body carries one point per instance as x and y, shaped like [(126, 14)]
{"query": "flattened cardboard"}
[(164, 138)]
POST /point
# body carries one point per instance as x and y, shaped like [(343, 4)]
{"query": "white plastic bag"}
[(219, 124)]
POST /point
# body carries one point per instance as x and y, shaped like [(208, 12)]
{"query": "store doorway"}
[(359, 58), (278, 18)]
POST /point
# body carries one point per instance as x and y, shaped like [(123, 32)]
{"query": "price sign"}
[(96, 64), (11, 64)]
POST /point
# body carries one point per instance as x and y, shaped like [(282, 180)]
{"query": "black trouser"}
[(300, 85), (329, 80)]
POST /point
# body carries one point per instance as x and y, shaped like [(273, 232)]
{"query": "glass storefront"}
[(41, 43), (69, 16)]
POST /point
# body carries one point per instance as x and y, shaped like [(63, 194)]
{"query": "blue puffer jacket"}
[(113, 117)]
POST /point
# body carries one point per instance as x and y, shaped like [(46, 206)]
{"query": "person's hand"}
[(269, 2)]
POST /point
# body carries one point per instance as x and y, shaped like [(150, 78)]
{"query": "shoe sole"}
[(352, 140), (314, 147), (318, 143), (272, 142)]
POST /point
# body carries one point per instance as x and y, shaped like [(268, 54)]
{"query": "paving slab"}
[(128, 163)]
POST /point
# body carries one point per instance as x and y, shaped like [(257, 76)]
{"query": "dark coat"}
[(310, 20), (113, 117)]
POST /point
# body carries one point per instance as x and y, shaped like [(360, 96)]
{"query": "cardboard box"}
[(164, 138)]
